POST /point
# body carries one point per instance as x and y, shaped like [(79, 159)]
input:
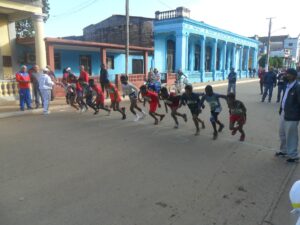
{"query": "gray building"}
[(113, 30)]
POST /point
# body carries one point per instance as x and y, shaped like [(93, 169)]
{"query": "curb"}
[(225, 84)]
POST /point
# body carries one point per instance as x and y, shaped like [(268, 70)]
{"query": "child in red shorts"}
[(99, 101), (172, 101), (115, 98), (237, 111), (153, 100)]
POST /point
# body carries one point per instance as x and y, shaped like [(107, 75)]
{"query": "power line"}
[(77, 8), (163, 3)]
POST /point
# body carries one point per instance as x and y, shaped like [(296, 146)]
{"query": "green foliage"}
[(275, 62), (25, 28)]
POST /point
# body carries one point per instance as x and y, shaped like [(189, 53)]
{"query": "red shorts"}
[(153, 107), (237, 118), (112, 98), (100, 99)]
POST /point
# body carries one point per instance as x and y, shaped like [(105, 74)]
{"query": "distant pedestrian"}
[(232, 81), (35, 73), (269, 81), (23, 79), (103, 78), (45, 86), (290, 117), (281, 84), (250, 72), (253, 72), (261, 74)]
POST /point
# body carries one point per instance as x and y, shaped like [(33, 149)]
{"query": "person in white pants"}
[(45, 85)]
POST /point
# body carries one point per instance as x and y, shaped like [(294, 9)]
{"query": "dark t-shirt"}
[(193, 101), (103, 75)]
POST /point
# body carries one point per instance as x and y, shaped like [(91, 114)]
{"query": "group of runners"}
[(85, 92)]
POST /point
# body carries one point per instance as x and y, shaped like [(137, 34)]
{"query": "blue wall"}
[(70, 58)]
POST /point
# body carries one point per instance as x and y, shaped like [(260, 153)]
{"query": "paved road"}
[(69, 168)]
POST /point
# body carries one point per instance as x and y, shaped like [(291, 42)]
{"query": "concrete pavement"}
[(70, 168)]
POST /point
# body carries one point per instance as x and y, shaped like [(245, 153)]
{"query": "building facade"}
[(11, 11), (113, 30), (282, 46), (62, 53), (204, 52)]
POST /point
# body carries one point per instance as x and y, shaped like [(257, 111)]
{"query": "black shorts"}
[(195, 110)]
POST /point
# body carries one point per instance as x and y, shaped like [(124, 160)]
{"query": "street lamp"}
[(269, 40)]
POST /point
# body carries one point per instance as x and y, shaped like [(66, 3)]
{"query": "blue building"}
[(63, 53), (203, 52)]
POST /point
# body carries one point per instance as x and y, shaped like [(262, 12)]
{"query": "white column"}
[(40, 48)]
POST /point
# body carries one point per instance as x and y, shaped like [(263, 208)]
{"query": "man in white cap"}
[(45, 85)]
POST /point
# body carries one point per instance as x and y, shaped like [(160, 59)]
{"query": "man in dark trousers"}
[(231, 81), (269, 82), (103, 78), (289, 118), (281, 84)]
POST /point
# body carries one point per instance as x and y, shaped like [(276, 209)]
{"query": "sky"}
[(69, 17)]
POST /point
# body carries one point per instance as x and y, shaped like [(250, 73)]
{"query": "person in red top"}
[(153, 100), (99, 101), (172, 101), (83, 77), (23, 79), (115, 98)]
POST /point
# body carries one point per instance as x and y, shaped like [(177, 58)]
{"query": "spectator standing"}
[(53, 78), (34, 76), (289, 118), (281, 84), (269, 82), (231, 81), (261, 74), (103, 78), (45, 86), (23, 79)]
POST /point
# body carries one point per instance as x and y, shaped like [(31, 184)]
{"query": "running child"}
[(192, 100), (132, 92), (99, 101), (172, 101), (152, 98), (213, 100), (87, 94), (70, 93), (79, 93), (237, 112), (115, 98)]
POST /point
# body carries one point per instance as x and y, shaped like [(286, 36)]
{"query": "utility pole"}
[(269, 43), (127, 37)]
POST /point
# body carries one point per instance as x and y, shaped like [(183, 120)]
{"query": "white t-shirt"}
[(45, 82)]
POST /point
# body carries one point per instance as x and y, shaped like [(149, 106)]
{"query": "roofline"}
[(49, 40)]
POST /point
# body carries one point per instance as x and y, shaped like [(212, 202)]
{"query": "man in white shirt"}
[(45, 85)]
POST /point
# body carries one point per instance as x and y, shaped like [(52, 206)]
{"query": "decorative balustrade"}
[(179, 12), (8, 88)]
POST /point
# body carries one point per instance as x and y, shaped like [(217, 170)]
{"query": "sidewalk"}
[(11, 108)]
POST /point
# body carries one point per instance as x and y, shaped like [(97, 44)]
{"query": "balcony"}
[(178, 12)]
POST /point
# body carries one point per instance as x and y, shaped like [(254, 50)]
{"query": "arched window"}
[(197, 58), (170, 56)]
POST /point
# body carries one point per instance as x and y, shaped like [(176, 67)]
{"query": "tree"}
[(276, 62), (25, 28)]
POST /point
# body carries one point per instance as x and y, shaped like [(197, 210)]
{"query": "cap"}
[(68, 69)]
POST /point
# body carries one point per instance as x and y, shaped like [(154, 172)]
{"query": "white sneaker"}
[(137, 118), (46, 112), (108, 113), (143, 115)]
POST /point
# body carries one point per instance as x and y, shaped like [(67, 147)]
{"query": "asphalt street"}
[(69, 168)]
